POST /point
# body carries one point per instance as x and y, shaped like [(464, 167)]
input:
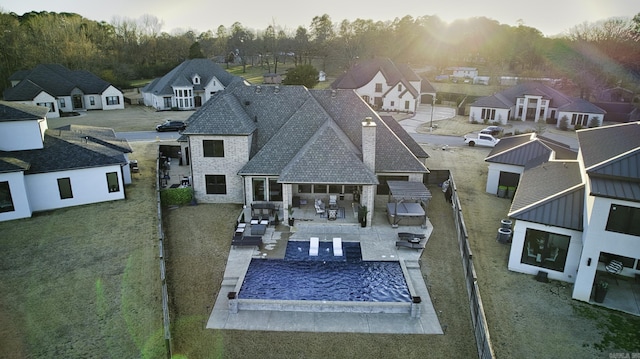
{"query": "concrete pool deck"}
[(377, 244)]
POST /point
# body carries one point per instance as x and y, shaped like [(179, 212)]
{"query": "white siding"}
[(19, 197), (44, 97), (493, 177), (517, 248), (109, 92), (88, 186), (597, 239), (22, 135), (501, 117)]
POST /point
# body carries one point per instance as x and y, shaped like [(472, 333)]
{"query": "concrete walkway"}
[(377, 243)]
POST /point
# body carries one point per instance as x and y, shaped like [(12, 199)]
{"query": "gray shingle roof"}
[(405, 137), (56, 80), (580, 105), (551, 193), (292, 125), (181, 76), (362, 72), (73, 147), (508, 97), (11, 111)]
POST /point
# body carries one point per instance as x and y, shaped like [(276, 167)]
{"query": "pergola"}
[(407, 202)]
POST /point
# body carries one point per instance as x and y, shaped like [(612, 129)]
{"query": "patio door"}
[(259, 189)]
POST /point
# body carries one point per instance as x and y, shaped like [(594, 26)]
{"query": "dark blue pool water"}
[(300, 277)]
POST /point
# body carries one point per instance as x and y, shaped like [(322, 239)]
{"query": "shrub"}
[(176, 196), (594, 122), (577, 127), (564, 123)]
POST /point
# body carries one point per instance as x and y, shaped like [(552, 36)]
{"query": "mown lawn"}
[(84, 282)]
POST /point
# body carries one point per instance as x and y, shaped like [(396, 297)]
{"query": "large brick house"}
[(273, 143)]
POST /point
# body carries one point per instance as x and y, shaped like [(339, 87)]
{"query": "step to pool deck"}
[(376, 244)]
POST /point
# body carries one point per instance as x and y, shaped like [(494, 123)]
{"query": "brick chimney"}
[(369, 143)]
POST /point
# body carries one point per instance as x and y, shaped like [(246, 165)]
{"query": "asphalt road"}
[(147, 136)]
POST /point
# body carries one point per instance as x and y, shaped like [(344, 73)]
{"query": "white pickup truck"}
[(480, 139)]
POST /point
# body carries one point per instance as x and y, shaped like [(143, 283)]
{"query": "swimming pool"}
[(325, 278)]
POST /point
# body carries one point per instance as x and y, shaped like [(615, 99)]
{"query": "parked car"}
[(171, 125), (492, 130), (481, 140)]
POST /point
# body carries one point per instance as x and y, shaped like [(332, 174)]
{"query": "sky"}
[(551, 17)]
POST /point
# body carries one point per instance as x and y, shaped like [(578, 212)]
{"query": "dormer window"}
[(196, 80)]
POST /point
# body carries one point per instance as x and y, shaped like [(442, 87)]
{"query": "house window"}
[(112, 182), (6, 202), (579, 119), (335, 188), (545, 249), (624, 219), (406, 105), (216, 184), (378, 87), (213, 148), (92, 100), (62, 102), (64, 187), (488, 114), (393, 103), (383, 187), (113, 100), (196, 80), (320, 188), (167, 102), (259, 190), (399, 87), (304, 188), (275, 190)]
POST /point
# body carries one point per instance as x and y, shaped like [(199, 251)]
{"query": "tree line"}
[(592, 55)]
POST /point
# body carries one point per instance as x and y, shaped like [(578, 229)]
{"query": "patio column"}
[(287, 200)]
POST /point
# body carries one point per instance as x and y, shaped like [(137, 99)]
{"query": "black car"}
[(170, 125), (492, 130)]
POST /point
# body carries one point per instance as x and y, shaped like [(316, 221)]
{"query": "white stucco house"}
[(575, 218), (385, 85), (43, 169), (534, 101), (62, 90), (187, 86)]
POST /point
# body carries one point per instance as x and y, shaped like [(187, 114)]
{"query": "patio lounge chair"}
[(333, 200), (407, 236), (337, 247), (314, 245), (319, 206)]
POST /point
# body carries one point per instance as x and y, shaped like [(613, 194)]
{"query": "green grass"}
[(621, 332), (84, 281)]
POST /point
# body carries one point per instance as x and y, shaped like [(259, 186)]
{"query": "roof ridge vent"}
[(333, 93), (258, 89), (276, 89)]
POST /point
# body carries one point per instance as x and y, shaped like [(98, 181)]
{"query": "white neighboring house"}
[(384, 85), (62, 90), (188, 86), (534, 101), (43, 169), (574, 217), (464, 72)]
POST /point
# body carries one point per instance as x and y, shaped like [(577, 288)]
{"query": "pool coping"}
[(418, 318)]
